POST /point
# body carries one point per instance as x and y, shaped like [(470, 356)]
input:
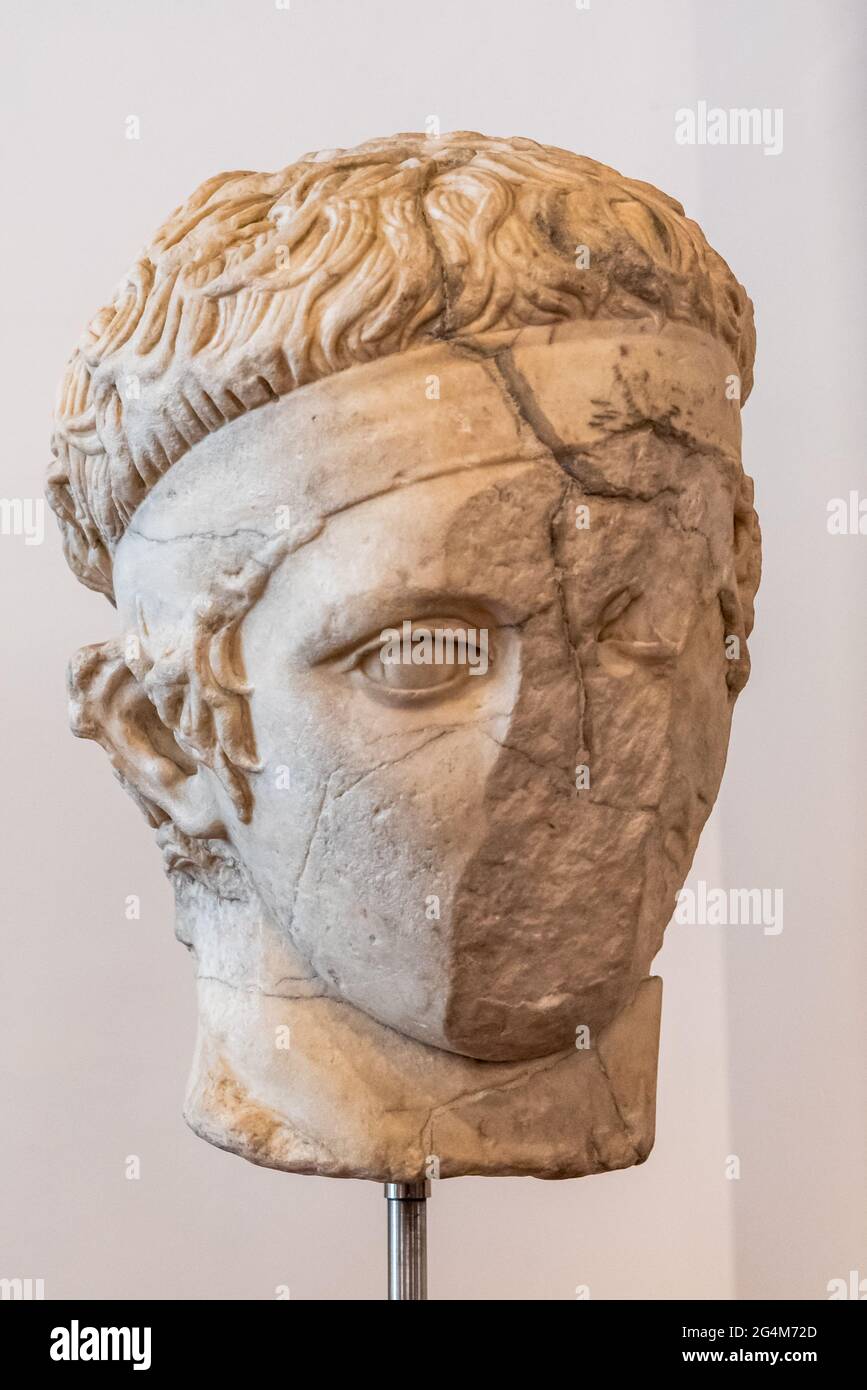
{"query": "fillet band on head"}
[(261, 284)]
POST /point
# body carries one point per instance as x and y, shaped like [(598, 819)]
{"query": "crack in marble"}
[(627, 1131)]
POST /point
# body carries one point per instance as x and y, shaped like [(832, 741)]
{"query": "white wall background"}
[(763, 1050)]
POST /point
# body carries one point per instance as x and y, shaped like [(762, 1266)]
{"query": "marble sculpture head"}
[(462, 386)]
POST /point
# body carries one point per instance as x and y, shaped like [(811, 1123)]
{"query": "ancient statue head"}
[(414, 474)]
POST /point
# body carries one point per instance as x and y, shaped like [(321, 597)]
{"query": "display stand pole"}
[(407, 1239)]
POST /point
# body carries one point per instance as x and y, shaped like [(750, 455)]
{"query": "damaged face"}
[(481, 854), (487, 860)]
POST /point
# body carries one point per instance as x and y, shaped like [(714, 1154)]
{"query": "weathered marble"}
[(480, 388)]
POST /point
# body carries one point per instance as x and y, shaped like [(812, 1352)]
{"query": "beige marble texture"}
[(457, 386)]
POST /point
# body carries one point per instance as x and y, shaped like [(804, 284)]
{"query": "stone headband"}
[(456, 406)]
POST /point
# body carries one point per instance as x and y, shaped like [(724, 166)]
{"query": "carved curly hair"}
[(262, 283)]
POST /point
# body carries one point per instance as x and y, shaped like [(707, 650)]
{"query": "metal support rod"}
[(407, 1239)]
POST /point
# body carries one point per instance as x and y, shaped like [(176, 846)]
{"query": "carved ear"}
[(110, 705), (748, 551), (737, 597)]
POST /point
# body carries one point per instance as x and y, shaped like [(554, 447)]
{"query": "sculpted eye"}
[(626, 637), (398, 676), (422, 658), (615, 609)]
